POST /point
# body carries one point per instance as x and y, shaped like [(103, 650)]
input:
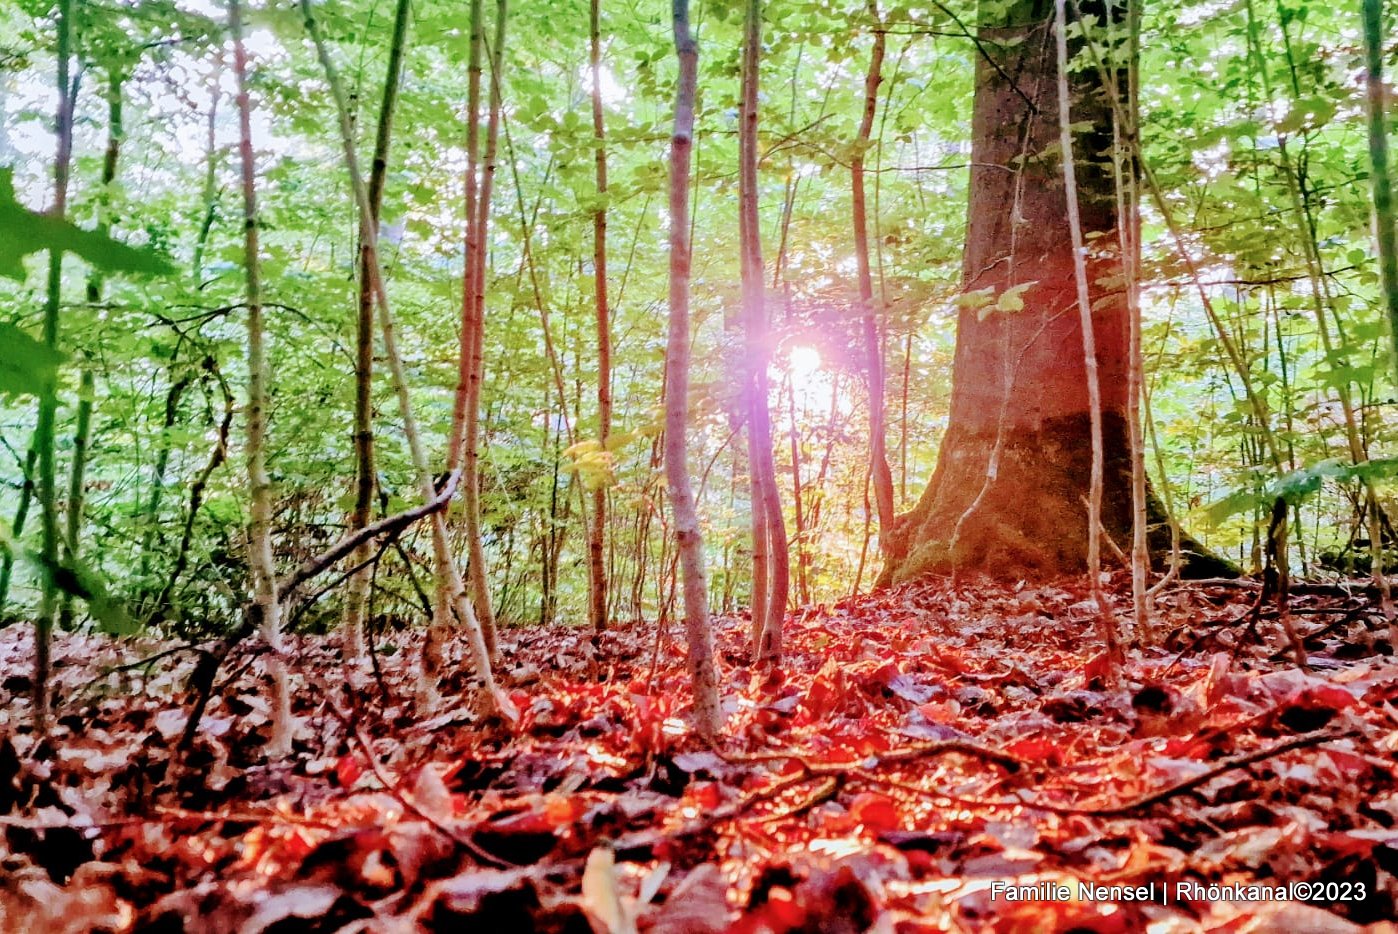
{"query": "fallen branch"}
[(1304, 741), (640, 847), (202, 680), (1137, 804), (939, 748), (346, 545), (456, 836)]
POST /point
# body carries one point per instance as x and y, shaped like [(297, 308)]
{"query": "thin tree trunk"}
[(26, 496), (448, 579), (465, 363), (1387, 240), (1128, 242), (48, 398), (1320, 300), (596, 540), (162, 460), (196, 489), (82, 435), (1089, 345), (903, 420), (1256, 401), (473, 327), (763, 466), (356, 594), (1379, 177), (757, 519), (210, 199), (698, 631), (266, 608), (882, 477), (802, 586)]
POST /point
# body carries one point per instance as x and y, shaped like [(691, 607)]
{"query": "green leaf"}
[(1012, 299), (27, 366), (1296, 486), (78, 580), (23, 232), (972, 301)]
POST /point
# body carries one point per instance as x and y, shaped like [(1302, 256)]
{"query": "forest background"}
[(1252, 121)]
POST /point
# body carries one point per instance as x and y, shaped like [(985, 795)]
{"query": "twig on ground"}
[(939, 748), (458, 837), (1136, 804)]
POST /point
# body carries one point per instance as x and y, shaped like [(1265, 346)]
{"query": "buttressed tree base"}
[(1009, 493)]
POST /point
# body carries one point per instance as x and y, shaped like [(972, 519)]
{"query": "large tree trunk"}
[(1009, 492)]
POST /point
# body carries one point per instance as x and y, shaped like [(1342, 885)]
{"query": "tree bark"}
[(356, 594), (47, 488), (26, 496), (451, 592), (596, 539), (1379, 178), (698, 631), (82, 434), (1008, 493), (475, 537), (768, 524), (261, 563), (1387, 238), (882, 477)]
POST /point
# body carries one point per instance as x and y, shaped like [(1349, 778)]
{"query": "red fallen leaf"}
[(1348, 764), (947, 711), (296, 846), (824, 694), (1322, 697), (1037, 749), (1098, 667), (706, 794), (347, 770), (780, 914), (951, 661), (876, 812), (561, 809)]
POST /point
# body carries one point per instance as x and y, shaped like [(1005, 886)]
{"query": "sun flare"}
[(804, 362)]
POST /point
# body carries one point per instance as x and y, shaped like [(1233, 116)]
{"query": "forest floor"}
[(918, 752)]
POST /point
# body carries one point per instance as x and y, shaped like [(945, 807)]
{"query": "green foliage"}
[(1296, 486), (25, 232), (27, 366), (167, 348)]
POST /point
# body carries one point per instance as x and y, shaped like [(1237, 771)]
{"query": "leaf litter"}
[(917, 752)]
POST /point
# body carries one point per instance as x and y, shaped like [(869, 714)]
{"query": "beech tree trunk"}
[(266, 606), (356, 596), (596, 537), (772, 574), (881, 476), (1009, 492), (703, 666)]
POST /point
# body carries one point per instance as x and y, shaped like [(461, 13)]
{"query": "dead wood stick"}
[(348, 543), (941, 747), (463, 840), (641, 845), (1356, 588), (822, 792), (206, 670), (1318, 738)]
